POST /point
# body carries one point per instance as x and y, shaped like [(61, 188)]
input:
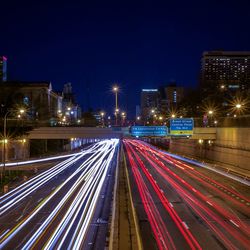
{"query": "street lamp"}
[(5, 140), (116, 89), (123, 117), (102, 115), (238, 105)]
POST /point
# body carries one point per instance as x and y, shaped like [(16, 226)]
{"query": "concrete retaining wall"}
[(232, 147)]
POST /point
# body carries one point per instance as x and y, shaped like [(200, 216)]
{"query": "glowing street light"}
[(123, 114), (102, 115), (5, 140), (238, 105), (210, 112), (115, 90)]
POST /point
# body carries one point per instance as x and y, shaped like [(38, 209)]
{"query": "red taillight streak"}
[(185, 232), (221, 210), (182, 191), (157, 225)]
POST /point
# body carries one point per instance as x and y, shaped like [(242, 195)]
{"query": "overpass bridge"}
[(105, 133)]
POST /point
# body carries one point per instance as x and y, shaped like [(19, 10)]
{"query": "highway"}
[(182, 206), (63, 207)]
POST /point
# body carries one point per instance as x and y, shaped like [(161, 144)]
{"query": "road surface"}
[(181, 206)]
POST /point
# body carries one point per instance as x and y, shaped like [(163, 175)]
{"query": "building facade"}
[(38, 98), (150, 100), (173, 94), (3, 69), (226, 70), (71, 111)]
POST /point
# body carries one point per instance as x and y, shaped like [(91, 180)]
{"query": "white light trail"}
[(86, 189)]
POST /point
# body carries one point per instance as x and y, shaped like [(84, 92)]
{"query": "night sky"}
[(138, 44)]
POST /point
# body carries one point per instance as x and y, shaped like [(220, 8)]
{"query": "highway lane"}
[(55, 208), (204, 211)]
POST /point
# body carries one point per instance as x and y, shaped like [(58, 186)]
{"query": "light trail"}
[(229, 194), (244, 180), (161, 234), (196, 199), (190, 239), (23, 190), (88, 181)]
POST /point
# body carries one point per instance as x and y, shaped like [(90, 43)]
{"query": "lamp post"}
[(115, 89), (123, 118), (5, 140), (210, 113), (102, 115)]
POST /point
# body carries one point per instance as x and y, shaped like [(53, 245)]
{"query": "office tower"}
[(227, 70), (150, 100)]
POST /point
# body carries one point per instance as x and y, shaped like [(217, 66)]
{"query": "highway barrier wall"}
[(231, 148)]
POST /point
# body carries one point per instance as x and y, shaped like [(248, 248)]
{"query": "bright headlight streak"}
[(46, 172), (42, 177), (32, 188), (51, 216), (88, 209), (67, 218), (15, 230), (82, 233), (46, 159), (38, 160), (76, 205), (19, 188), (78, 182), (89, 183)]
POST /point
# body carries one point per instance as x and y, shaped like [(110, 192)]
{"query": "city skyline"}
[(139, 45)]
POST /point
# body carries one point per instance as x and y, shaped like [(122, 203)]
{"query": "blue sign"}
[(181, 126), (139, 131)]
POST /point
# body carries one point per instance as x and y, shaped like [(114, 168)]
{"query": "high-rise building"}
[(225, 69), (3, 69), (173, 94), (150, 100)]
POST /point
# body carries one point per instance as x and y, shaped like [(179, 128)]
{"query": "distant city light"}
[(149, 90)]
